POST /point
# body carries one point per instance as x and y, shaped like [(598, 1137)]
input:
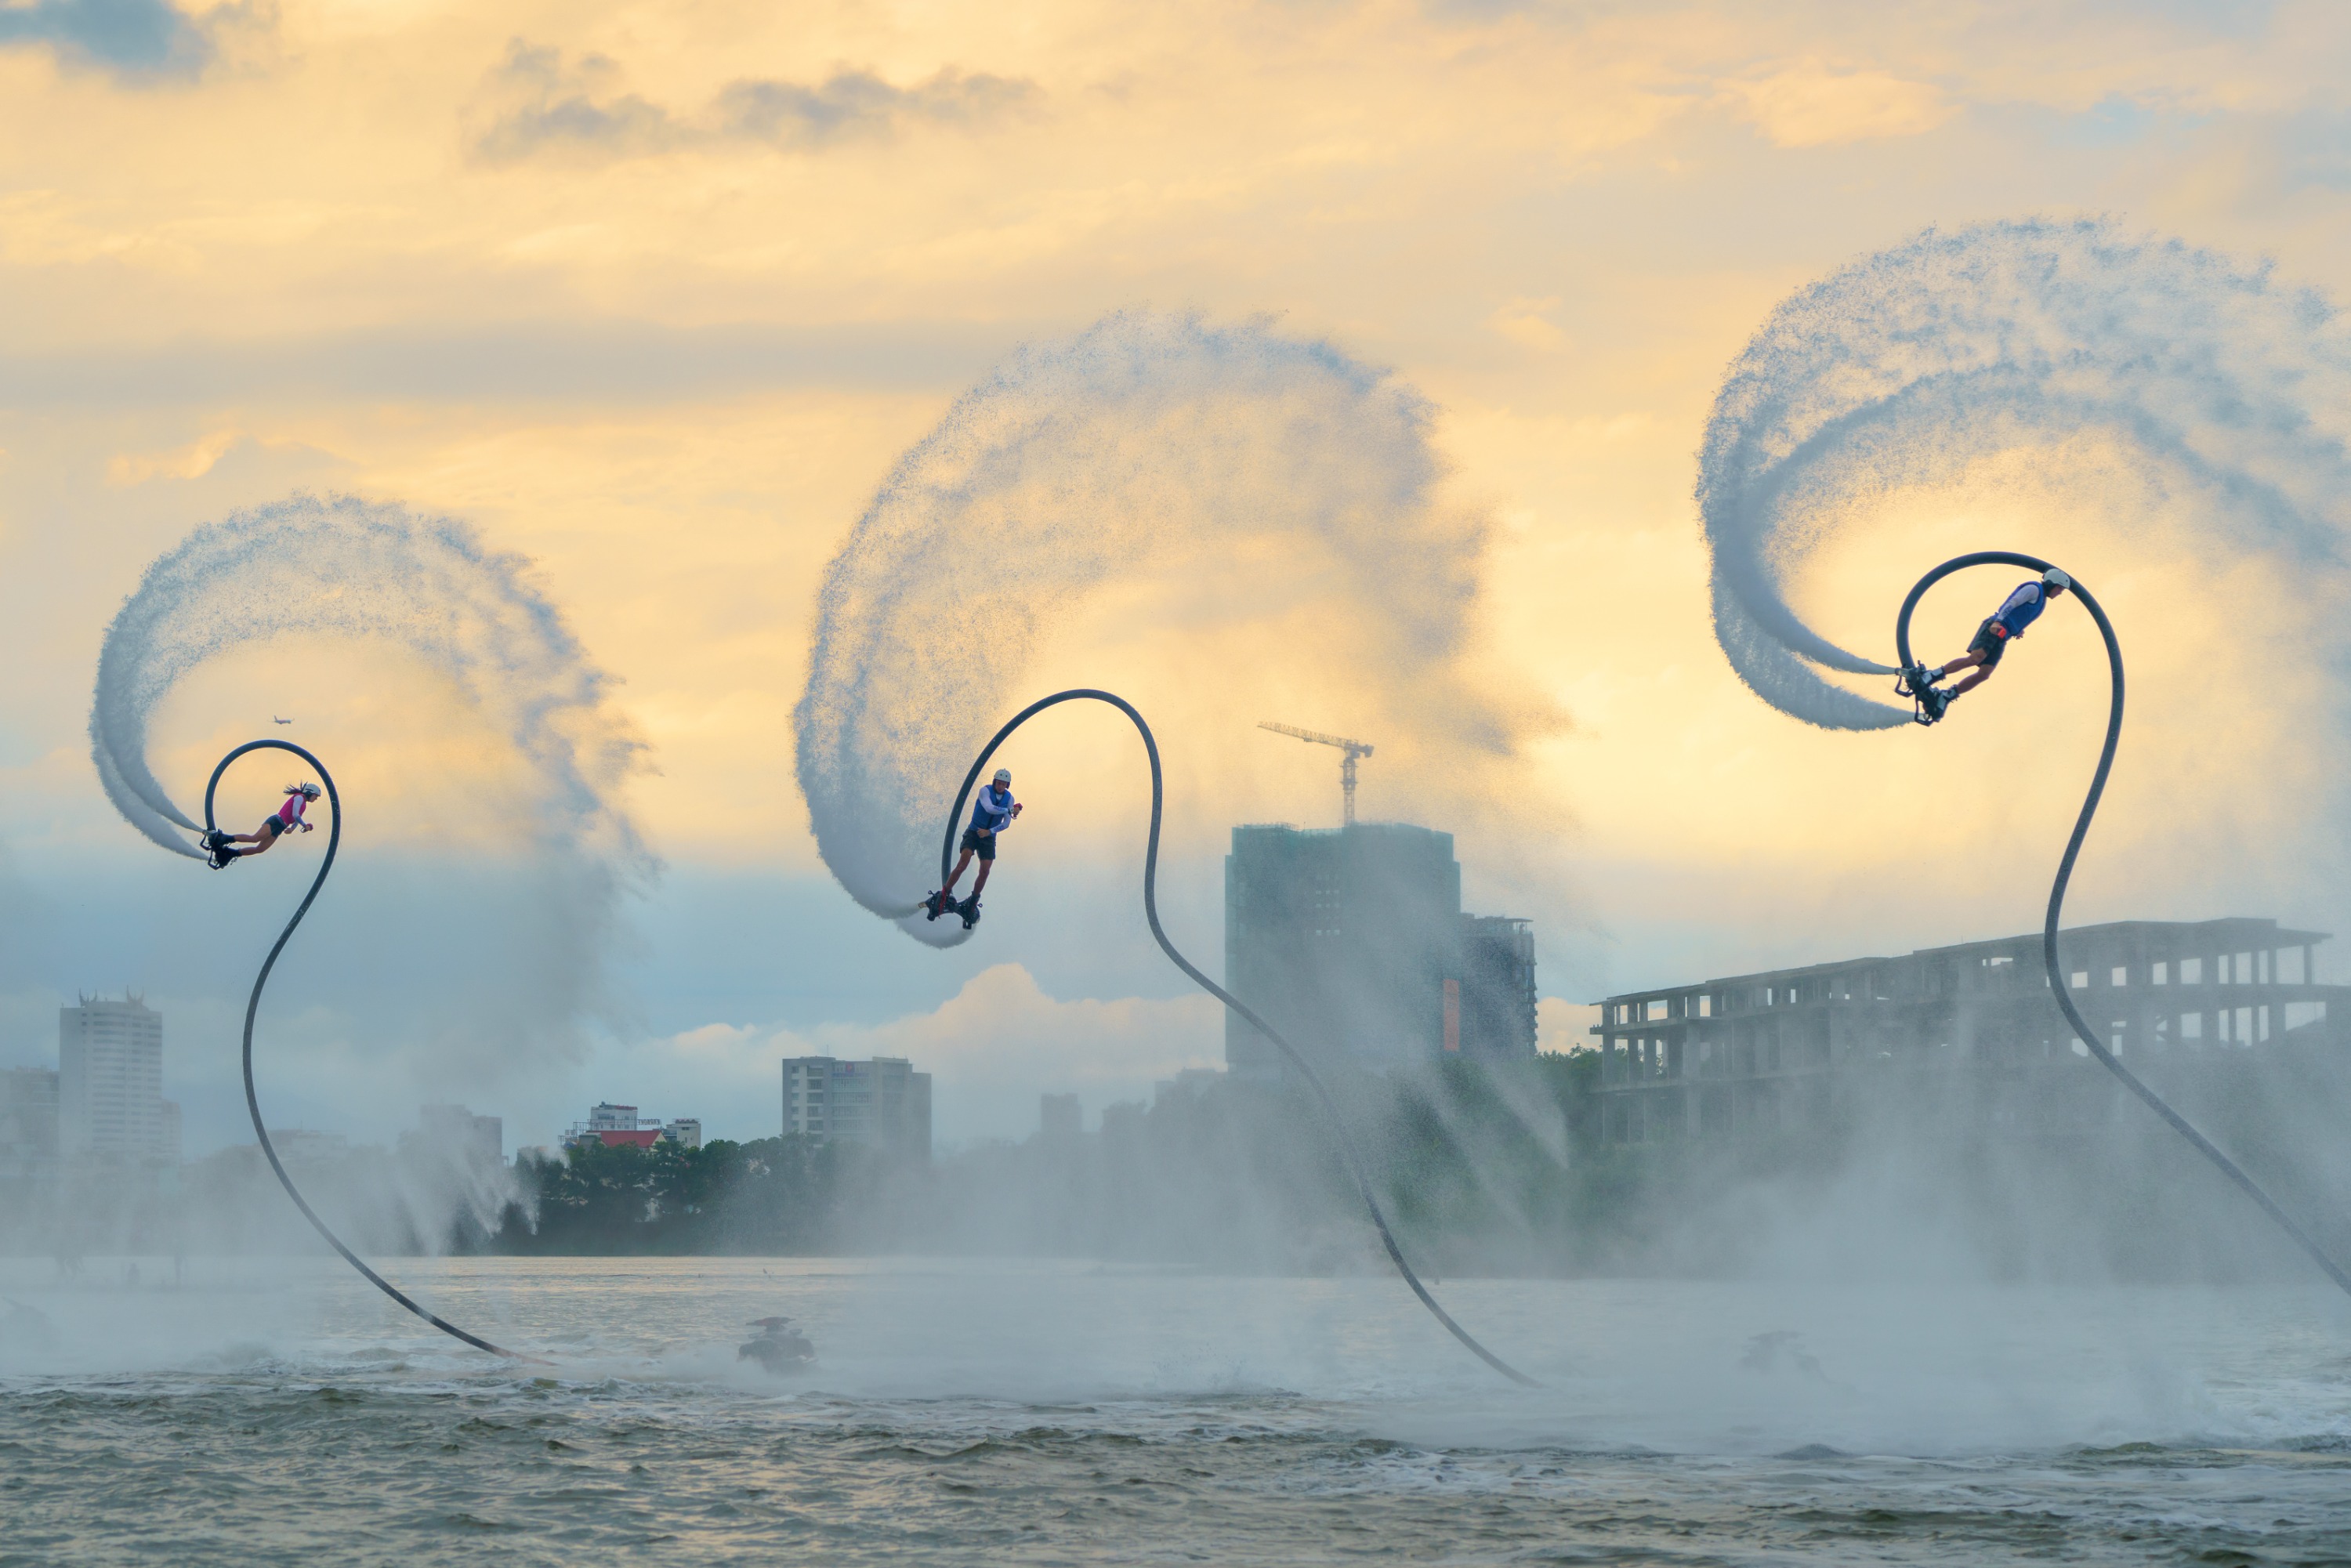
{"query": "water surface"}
[(267, 1411)]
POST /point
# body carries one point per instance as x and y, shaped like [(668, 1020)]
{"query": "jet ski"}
[(779, 1348)]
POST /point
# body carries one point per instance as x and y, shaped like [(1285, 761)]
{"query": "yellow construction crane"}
[(1354, 748)]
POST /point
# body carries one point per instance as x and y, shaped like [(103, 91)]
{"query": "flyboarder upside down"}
[(992, 810), (280, 822), (2002, 626)]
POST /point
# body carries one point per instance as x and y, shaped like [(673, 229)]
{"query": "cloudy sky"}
[(655, 296)]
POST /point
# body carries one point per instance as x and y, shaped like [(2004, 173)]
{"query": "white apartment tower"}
[(110, 1101), (882, 1102)]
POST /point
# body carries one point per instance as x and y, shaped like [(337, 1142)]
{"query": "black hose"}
[(2058, 976), (1151, 913), (253, 1006)]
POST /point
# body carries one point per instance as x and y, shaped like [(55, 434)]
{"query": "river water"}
[(276, 1411)]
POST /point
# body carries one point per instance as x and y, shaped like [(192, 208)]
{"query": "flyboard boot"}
[(969, 910), (1915, 679), (1918, 682), (936, 904), (219, 853)]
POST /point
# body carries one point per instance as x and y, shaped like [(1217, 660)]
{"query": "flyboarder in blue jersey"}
[(2001, 627), (992, 810)]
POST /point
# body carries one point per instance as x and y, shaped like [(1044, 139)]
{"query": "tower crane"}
[(1354, 748)]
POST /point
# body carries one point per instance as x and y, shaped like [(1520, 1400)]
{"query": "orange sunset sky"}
[(656, 294)]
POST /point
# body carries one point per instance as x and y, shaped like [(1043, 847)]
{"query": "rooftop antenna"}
[(1354, 748)]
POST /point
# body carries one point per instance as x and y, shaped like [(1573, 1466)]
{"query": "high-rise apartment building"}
[(1059, 1118), (454, 1134), (1495, 1015), (882, 1102), (28, 1123), (110, 1082), (1350, 941)]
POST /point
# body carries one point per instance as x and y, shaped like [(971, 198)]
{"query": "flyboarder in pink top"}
[(275, 826)]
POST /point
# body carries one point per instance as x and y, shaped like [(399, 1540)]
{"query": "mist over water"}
[(2228, 388), (1146, 446)]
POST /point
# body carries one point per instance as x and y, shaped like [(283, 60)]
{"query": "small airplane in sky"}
[(281, 720)]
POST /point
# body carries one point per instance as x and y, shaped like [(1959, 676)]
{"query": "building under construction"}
[(1353, 943), (1792, 1048)]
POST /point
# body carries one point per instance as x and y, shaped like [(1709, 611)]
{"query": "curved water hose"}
[(2057, 976), (1151, 913), (253, 1006)]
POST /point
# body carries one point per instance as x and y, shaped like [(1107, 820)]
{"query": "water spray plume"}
[(1081, 465), (2059, 986), (1078, 467), (1906, 368), (347, 568), (344, 567)]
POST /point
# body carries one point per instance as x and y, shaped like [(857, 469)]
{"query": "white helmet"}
[(1004, 776), (2056, 578), (310, 792)]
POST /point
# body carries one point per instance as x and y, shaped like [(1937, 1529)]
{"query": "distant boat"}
[(780, 1347), (281, 720)]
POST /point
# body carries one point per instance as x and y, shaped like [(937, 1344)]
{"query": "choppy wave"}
[(1065, 1411)]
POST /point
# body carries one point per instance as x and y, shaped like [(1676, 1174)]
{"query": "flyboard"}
[(1912, 684)]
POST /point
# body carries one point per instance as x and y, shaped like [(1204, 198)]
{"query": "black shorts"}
[(272, 826), (984, 846), (1991, 642)]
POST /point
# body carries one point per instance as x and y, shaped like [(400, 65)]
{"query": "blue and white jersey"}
[(991, 810), (2021, 608)]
